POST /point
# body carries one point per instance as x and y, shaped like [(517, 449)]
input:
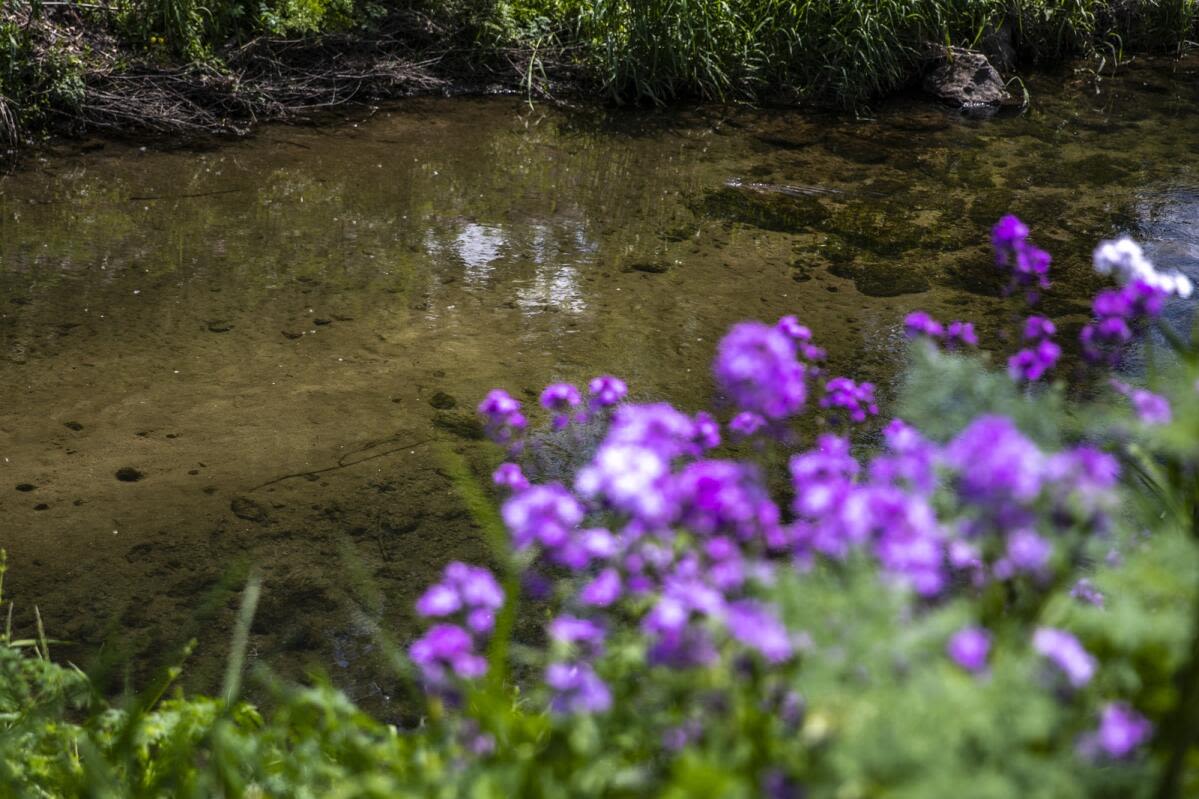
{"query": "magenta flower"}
[(918, 324), (544, 514), (1121, 731), (969, 648), (746, 424), (607, 391), (446, 650), (560, 399), (855, 399), (1064, 651), (510, 476), (502, 419), (756, 366), (577, 689)]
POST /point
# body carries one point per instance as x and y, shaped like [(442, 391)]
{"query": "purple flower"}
[(560, 398), (510, 476), (822, 477), (439, 600), (969, 648), (756, 366), (461, 586), (707, 431), (718, 496), (631, 478), (1152, 409), (542, 513), (503, 421), (1121, 731), (910, 460), (1065, 652), (1027, 266), (444, 650), (1008, 233), (756, 627), (582, 633), (603, 590), (1038, 327), (746, 424), (793, 329), (995, 463), (918, 324), (577, 689), (1084, 591), (1031, 364), (856, 399), (658, 426), (607, 391), (1027, 553), (960, 334)]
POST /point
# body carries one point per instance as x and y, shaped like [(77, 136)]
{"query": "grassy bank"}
[(237, 60)]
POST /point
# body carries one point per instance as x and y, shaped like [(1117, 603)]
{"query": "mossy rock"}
[(888, 231), (778, 212), (882, 279)]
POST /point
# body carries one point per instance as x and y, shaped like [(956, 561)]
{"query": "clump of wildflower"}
[(1027, 266), (746, 424), (1040, 354), (560, 399), (720, 496), (502, 418), (969, 648), (1064, 651), (544, 514), (1086, 592), (855, 399), (756, 366), (446, 651), (802, 336), (606, 391), (756, 627), (1152, 409), (960, 334), (510, 476), (577, 689), (471, 590), (1121, 731), (707, 431), (919, 324)]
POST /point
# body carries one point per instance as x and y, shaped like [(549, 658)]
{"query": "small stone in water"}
[(26, 486), (73, 426), (127, 474), (220, 326), (443, 401)]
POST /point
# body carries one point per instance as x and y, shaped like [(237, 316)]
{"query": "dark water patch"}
[(766, 210)]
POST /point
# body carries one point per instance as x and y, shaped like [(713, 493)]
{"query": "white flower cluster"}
[(1125, 259)]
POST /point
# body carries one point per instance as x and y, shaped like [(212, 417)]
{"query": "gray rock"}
[(967, 79)]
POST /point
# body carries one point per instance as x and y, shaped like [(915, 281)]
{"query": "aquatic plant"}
[(990, 602)]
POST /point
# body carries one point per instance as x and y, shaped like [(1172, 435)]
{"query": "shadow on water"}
[(278, 336)]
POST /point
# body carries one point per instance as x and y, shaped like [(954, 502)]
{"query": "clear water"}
[(262, 330)]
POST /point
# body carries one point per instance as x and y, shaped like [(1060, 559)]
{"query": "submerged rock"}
[(248, 509), (882, 279), (443, 401), (966, 78), (649, 267), (127, 474)]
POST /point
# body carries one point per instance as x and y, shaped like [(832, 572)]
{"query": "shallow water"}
[(283, 337)]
